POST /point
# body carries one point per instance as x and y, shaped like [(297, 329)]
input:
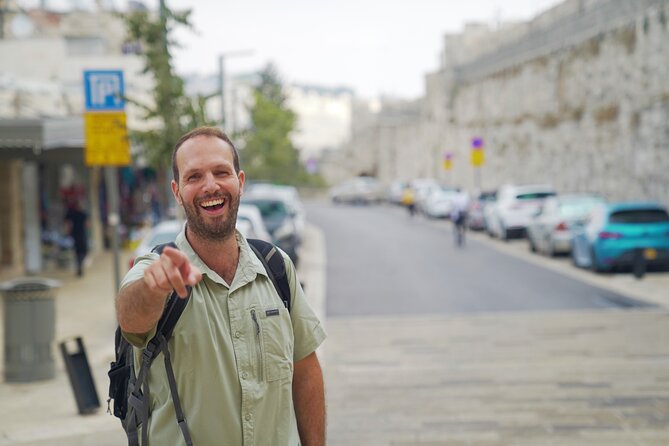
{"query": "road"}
[(382, 262)]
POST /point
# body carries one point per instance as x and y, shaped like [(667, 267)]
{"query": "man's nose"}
[(210, 184)]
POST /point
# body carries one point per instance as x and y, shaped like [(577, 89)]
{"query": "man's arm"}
[(309, 401), (140, 304)]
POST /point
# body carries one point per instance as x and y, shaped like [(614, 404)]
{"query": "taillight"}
[(606, 235), (562, 226)]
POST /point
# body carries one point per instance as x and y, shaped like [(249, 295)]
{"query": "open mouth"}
[(213, 205)]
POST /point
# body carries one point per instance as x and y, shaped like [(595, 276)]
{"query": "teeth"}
[(212, 202)]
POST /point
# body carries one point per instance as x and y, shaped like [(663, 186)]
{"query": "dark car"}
[(280, 223), (475, 212)]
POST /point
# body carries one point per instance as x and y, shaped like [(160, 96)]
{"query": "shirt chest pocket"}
[(273, 342)]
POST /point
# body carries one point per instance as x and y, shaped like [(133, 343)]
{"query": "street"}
[(381, 262), (433, 345)]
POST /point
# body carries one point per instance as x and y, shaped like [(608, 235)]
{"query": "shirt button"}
[(248, 417), (237, 334), (244, 375)]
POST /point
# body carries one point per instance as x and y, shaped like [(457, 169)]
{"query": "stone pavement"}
[(558, 378)]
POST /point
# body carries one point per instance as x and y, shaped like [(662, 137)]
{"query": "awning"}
[(43, 139)]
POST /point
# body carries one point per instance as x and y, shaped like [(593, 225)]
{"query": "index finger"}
[(189, 273)]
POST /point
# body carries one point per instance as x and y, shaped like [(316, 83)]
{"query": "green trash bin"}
[(30, 328)]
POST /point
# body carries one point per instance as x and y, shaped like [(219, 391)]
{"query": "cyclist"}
[(459, 205)]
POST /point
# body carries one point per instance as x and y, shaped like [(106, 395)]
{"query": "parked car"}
[(476, 210), (279, 221), (514, 209), (422, 188), (395, 191), (250, 223), (439, 203), (359, 190), (615, 234), (549, 231), (290, 196), (164, 232)]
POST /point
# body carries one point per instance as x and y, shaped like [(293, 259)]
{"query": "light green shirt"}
[(232, 350)]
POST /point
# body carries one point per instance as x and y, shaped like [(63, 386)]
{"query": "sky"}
[(375, 47)]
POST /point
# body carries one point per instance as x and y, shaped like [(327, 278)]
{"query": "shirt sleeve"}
[(139, 340), (307, 328)]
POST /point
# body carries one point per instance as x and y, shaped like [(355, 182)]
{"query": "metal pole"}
[(113, 219), (221, 87)]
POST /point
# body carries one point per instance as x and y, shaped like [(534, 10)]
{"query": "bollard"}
[(80, 376), (30, 327)]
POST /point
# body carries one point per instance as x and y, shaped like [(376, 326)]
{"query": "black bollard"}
[(81, 378)]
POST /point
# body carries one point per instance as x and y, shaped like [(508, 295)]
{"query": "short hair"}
[(214, 132)]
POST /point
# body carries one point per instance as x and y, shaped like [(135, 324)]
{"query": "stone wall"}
[(580, 100)]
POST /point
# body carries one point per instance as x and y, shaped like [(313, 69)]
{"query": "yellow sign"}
[(448, 164), (478, 157), (106, 139)]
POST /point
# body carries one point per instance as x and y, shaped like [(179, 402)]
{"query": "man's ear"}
[(175, 192), (242, 177)]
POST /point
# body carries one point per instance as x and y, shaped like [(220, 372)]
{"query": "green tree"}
[(173, 112), (269, 154)]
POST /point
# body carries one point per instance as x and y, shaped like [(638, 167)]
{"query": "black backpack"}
[(130, 392)]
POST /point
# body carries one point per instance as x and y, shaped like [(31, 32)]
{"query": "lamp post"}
[(221, 77)]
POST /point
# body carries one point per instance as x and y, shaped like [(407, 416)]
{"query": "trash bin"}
[(30, 328)]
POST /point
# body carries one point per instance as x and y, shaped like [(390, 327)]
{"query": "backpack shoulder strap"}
[(275, 266)]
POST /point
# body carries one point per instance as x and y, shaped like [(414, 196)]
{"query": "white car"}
[(250, 223), (164, 232), (514, 209), (439, 203)]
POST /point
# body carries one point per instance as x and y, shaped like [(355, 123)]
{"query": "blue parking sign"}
[(104, 90)]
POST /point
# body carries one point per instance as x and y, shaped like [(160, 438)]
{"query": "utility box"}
[(30, 328)]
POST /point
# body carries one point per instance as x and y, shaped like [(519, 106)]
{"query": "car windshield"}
[(640, 216), (578, 208), (534, 195), (270, 209), (162, 237)]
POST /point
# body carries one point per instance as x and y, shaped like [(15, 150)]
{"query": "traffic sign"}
[(106, 139), (477, 152), (104, 90), (448, 161)]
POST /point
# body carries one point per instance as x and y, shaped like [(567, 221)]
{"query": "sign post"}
[(106, 137), (477, 158)]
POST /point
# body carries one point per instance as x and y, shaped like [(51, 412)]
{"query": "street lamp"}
[(221, 77)]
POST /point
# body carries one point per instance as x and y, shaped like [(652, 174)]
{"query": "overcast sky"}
[(372, 46)]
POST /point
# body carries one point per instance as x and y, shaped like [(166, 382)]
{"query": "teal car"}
[(619, 234)]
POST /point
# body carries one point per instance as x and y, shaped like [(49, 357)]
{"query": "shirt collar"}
[(248, 266)]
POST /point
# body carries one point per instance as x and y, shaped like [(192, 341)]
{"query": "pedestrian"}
[(459, 207), (409, 200), (76, 221), (242, 379)]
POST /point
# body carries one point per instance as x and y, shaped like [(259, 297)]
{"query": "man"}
[(77, 222), (459, 207), (246, 368)]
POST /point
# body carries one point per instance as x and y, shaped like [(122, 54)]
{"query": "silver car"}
[(549, 231)]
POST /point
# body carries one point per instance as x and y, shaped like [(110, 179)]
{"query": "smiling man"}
[(245, 367)]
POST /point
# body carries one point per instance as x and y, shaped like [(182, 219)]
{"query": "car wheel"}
[(504, 235), (550, 249), (594, 265)]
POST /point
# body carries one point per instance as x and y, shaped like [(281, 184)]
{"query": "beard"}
[(212, 230)]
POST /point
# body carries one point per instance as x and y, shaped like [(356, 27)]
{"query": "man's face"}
[(209, 189)]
